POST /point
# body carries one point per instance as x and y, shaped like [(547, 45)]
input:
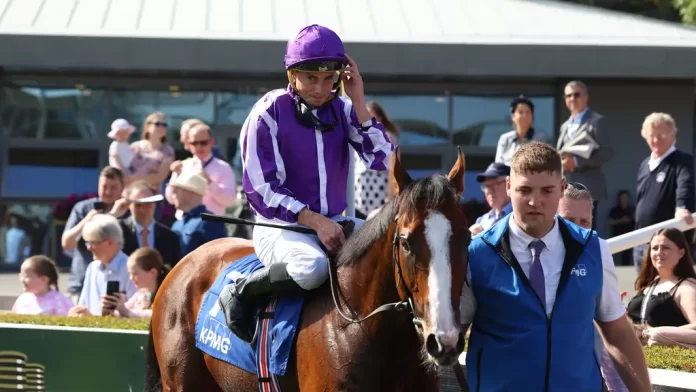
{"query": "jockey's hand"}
[(330, 234)]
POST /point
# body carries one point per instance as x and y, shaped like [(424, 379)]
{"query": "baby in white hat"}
[(120, 153)]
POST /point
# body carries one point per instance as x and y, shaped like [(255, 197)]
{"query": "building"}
[(445, 71)]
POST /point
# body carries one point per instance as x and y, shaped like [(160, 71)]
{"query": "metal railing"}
[(642, 236)]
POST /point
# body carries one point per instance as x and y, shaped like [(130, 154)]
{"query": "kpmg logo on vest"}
[(579, 270)]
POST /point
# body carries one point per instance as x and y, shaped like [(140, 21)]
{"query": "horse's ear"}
[(456, 175), (399, 176)]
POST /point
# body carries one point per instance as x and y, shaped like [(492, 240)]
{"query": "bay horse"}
[(413, 251)]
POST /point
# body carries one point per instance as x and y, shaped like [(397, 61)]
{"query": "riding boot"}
[(235, 298)]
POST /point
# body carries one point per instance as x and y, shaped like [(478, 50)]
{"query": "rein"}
[(396, 306)]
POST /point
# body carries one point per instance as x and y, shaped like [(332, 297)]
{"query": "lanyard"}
[(646, 299)]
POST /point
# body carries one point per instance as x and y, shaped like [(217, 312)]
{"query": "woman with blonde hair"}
[(153, 153)]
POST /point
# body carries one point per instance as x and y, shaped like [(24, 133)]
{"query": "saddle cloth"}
[(280, 319)]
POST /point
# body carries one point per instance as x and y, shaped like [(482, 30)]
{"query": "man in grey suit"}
[(582, 119)]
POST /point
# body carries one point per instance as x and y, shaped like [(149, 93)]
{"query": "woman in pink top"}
[(147, 271), (39, 276), (153, 153)]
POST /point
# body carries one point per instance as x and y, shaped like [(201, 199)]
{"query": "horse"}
[(412, 256)]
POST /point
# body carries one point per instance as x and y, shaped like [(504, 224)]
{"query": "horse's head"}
[(430, 249)]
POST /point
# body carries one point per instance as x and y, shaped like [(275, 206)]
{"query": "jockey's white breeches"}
[(306, 262)]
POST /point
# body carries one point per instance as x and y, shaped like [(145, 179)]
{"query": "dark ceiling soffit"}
[(380, 59)]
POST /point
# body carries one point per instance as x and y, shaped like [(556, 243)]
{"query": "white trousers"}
[(307, 262)]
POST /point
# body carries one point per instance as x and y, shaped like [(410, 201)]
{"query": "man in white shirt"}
[(539, 282)]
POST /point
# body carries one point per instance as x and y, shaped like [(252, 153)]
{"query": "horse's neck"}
[(369, 282)]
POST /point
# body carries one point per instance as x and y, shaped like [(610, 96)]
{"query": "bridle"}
[(397, 306)]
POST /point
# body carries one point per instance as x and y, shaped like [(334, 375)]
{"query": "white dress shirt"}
[(653, 163), (609, 305)]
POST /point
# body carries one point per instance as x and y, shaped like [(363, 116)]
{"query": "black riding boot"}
[(263, 283)]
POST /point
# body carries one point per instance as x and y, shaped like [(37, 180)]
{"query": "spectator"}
[(186, 126), (39, 277), (147, 271), (667, 282), (109, 190), (522, 110), (373, 187), (495, 192), (576, 206), (187, 192), (121, 154), (154, 153), (622, 220), (142, 230), (222, 189), (665, 185), (17, 242), (104, 238), (583, 119)]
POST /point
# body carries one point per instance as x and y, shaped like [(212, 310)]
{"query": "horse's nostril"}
[(432, 346)]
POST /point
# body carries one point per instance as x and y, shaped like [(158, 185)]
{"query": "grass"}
[(85, 322), (658, 357)]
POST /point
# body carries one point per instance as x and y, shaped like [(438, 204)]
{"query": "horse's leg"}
[(185, 368)]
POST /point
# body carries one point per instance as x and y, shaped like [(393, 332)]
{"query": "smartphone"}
[(99, 205), (112, 287)]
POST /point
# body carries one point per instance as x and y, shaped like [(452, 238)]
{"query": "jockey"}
[(295, 162)]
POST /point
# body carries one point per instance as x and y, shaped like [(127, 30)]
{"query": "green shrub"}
[(85, 322), (658, 357)]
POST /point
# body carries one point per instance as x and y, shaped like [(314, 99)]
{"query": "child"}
[(120, 153), (147, 271), (39, 276)]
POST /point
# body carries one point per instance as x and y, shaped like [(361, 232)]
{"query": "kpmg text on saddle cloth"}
[(295, 157)]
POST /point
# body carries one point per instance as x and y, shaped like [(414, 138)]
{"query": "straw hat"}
[(191, 181)]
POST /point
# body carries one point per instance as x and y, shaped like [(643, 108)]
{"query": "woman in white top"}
[(372, 188), (522, 110)]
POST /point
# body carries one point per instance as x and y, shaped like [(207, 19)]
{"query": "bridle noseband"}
[(397, 306)]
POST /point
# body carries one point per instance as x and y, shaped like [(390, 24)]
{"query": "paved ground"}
[(10, 287)]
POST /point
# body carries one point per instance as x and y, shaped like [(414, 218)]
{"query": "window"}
[(422, 119), (479, 121), (232, 109), (135, 106), (41, 113)]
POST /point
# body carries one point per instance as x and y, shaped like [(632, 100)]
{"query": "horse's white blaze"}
[(438, 231)]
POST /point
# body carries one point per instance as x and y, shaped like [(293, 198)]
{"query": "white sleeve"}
[(113, 148), (609, 305)]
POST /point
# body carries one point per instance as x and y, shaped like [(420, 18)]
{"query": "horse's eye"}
[(405, 246)]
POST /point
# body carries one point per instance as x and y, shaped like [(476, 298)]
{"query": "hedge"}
[(658, 357)]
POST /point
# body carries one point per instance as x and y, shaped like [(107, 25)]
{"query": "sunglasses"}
[(574, 95), (576, 185), (201, 143), (158, 123)]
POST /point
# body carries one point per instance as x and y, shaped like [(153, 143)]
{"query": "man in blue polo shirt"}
[(493, 187), (539, 282)]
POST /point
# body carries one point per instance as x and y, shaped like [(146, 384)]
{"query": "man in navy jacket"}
[(539, 282)]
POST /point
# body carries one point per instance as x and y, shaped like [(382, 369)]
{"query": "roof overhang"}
[(251, 57)]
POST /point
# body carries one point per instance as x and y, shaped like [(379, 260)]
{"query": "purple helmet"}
[(315, 48)]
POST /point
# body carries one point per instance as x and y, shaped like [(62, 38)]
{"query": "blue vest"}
[(514, 345)]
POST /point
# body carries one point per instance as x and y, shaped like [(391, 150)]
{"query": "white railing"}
[(642, 236)]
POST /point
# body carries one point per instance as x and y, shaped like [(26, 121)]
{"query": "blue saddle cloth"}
[(214, 338)]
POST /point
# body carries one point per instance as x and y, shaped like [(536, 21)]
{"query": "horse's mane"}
[(428, 192)]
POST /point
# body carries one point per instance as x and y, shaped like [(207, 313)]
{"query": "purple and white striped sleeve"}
[(264, 171), (369, 139)]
